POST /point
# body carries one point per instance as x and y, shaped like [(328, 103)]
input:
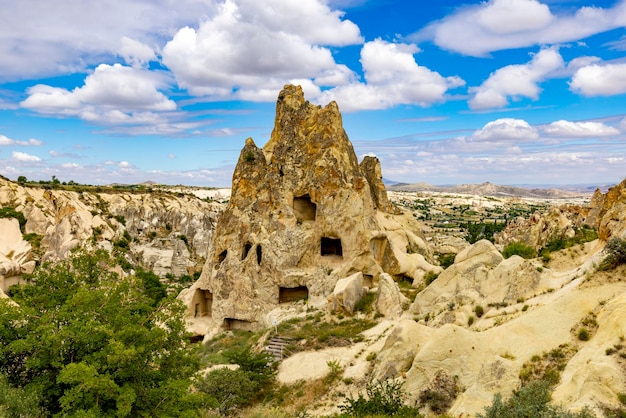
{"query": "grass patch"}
[(315, 334)]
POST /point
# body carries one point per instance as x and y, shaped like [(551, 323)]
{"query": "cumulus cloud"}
[(39, 38), (392, 77), (24, 157), (564, 128), (113, 94), (4, 140), (600, 80), (249, 43), (503, 24), (514, 81), (136, 53), (506, 129)]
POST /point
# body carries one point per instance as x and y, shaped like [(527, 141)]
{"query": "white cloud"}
[(23, 157), (564, 128), (136, 53), (113, 94), (249, 44), (170, 155), (40, 38), (503, 24), (4, 140), (514, 81), (392, 77), (600, 80), (506, 129)]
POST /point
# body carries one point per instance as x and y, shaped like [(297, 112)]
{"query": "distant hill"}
[(490, 189)]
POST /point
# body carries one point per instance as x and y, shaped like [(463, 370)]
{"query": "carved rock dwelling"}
[(303, 215)]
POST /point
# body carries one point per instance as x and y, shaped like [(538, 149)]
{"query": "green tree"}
[(22, 179), (89, 343)]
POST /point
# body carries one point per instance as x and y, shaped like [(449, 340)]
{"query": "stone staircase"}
[(277, 346)]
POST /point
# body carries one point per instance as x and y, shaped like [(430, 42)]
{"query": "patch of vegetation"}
[(479, 311), (615, 250), (430, 277), (548, 366), (475, 231), (440, 393), (84, 341), (366, 303), (317, 334), (222, 346), (582, 234), (446, 260), (9, 212), (230, 390), (382, 399), (519, 248), (532, 400)]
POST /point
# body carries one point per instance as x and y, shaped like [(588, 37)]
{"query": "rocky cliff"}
[(164, 232), (303, 215)]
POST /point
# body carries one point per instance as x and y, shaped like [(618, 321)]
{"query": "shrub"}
[(583, 334), (230, 389), (366, 303), (446, 260), (441, 393), (615, 251), (531, 400), (430, 277), (383, 398), (518, 248), (479, 311)]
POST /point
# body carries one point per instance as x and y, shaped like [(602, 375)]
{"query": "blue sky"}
[(507, 91)]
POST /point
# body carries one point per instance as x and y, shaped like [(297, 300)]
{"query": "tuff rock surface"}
[(303, 215), (164, 232)]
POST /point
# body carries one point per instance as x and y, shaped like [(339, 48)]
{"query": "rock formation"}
[(164, 232), (610, 211), (303, 214)]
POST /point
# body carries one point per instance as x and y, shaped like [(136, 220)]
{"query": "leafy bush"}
[(18, 403), (383, 398), (87, 342), (479, 311), (430, 277), (446, 260), (615, 251), (518, 248), (530, 401), (583, 334), (229, 389)]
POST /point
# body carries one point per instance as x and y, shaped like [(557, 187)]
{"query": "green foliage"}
[(22, 179), (228, 390), (259, 365), (581, 235), (475, 231), (479, 311), (121, 219), (249, 157), (232, 390), (320, 334), (446, 260), (12, 213), (87, 342), (583, 334), (382, 398), (530, 401), (615, 251), (366, 303), (17, 402), (430, 277), (153, 288), (518, 248)]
